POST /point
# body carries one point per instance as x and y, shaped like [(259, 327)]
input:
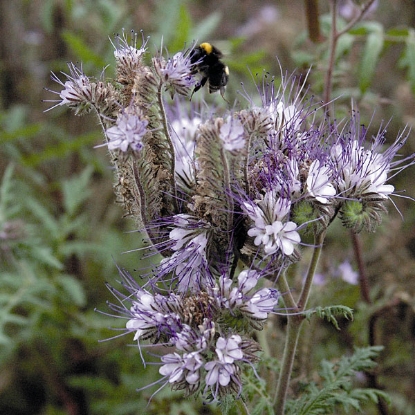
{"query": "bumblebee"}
[(206, 61)]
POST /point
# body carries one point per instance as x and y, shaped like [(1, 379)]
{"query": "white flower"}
[(262, 303), (129, 53), (173, 367), (218, 373), (184, 139), (360, 172), (228, 350), (318, 182), (271, 229)]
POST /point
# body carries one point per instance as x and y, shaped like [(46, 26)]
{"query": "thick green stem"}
[(318, 247), (291, 341), (294, 321)]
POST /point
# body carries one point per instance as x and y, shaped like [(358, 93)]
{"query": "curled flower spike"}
[(77, 92), (201, 350), (83, 95)]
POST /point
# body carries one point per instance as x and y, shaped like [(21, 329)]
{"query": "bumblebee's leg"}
[(199, 85)]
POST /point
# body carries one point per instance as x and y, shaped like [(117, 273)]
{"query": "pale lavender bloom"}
[(173, 367), (218, 374), (361, 171), (228, 350), (77, 90), (347, 273), (261, 304), (188, 264), (126, 133), (175, 72), (253, 305), (151, 316), (187, 230), (128, 55), (224, 372), (183, 136), (318, 182), (232, 134), (182, 368), (190, 339)]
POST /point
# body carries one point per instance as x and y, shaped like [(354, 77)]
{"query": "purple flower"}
[(188, 263), (151, 316)]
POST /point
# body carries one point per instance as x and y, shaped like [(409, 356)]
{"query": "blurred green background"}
[(61, 233)]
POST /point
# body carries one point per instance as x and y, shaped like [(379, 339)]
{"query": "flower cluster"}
[(225, 201), (207, 357)]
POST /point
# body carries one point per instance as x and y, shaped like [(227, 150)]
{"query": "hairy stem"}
[(305, 293), (363, 281), (171, 147), (294, 321)]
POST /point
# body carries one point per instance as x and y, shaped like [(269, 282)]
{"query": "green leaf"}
[(370, 58), (75, 191), (5, 192), (60, 150), (81, 50), (409, 59), (344, 45), (73, 289), (398, 32), (337, 387), (26, 132), (206, 27), (44, 255), (329, 313), (184, 26)]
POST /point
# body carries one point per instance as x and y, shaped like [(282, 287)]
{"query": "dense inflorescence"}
[(225, 201)]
